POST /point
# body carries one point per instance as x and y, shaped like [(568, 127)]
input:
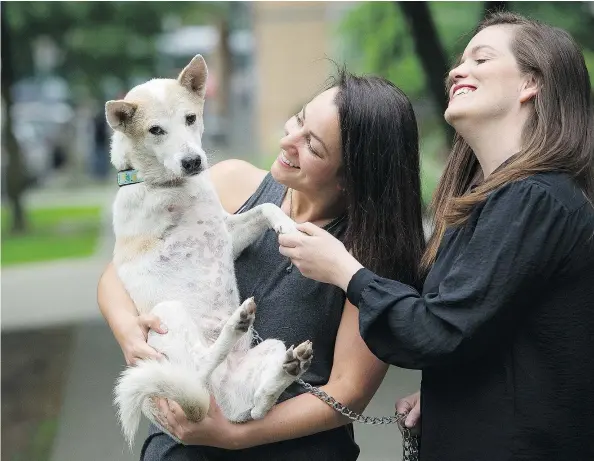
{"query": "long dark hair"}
[(558, 136), (380, 174)]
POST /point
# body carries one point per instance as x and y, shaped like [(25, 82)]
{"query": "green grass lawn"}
[(54, 233)]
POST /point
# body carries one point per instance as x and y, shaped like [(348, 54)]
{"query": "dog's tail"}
[(152, 378)]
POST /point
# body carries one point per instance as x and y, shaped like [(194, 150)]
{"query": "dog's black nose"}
[(191, 165)]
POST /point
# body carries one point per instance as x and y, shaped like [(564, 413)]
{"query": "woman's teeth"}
[(286, 161), (464, 90)]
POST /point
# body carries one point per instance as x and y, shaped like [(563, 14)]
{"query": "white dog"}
[(174, 252)]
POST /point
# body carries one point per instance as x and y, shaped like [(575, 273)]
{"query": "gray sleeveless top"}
[(291, 308)]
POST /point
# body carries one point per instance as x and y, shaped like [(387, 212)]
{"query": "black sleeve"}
[(515, 246)]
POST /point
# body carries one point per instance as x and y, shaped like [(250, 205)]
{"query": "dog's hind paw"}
[(298, 359), (247, 315)]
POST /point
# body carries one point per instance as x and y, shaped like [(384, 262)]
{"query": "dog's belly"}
[(199, 275)]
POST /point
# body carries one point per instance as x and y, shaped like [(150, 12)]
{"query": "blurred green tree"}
[(414, 43), (430, 52), (95, 40), (15, 177)]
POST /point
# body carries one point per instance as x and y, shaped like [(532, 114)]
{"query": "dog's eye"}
[(156, 130), (190, 119)]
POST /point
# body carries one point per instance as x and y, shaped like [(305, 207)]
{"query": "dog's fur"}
[(174, 252)]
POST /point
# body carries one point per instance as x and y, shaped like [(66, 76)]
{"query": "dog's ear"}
[(194, 75), (119, 113)]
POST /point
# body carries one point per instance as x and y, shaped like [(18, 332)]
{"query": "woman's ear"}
[(530, 89)]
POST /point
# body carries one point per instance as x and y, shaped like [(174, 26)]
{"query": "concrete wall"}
[(291, 42)]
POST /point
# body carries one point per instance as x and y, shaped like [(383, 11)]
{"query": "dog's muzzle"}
[(191, 165)]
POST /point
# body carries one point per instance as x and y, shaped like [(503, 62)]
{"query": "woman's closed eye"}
[(307, 136)]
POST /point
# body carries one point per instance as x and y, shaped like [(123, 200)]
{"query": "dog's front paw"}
[(298, 359), (285, 227), (246, 315), (277, 219)]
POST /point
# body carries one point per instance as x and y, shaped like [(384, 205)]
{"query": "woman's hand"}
[(129, 329), (214, 430), (133, 335), (411, 406), (319, 256)]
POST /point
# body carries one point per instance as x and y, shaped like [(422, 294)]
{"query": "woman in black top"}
[(336, 156), (503, 329)]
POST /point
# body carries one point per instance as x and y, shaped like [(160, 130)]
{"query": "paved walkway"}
[(88, 429)]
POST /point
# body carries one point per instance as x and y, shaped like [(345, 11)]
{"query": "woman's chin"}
[(455, 115), (282, 170), (276, 169), (278, 172), (450, 115)]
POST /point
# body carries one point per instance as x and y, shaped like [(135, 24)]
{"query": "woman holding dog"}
[(502, 328), (349, 163)]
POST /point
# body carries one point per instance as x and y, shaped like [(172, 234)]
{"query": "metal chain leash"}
[(410, 441)]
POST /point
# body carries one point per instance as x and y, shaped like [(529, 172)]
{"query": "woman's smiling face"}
[(487, 83), (311, 154)]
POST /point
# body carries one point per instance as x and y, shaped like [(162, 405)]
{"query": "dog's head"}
[(159, 125)]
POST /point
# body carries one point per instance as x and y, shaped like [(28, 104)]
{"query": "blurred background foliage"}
[(62, 60), (99, 39), (379, 39), (414, 44), (101, 49)]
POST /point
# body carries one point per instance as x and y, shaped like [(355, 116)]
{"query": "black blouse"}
[(503, 331)]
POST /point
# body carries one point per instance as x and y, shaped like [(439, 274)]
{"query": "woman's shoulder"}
[(235, 181), (561, 187), (557, 190), (549, 202)]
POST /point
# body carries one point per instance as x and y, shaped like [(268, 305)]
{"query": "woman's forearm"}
[(115, 304), (302, 416), (344, 270), (129, 329)]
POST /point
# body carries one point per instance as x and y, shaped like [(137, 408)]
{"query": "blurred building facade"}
[(291, 43)]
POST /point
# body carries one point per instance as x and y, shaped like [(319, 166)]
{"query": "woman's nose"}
[(458, 72), (291, 137)]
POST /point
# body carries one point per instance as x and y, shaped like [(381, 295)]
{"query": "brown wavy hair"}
[(556, 137)]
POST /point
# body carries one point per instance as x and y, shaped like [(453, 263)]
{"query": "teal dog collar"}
[(127, 177)]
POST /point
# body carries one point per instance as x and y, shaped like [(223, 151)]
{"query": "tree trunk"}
[(431, 53), (225, 70), (15, 174), (494, 6)]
